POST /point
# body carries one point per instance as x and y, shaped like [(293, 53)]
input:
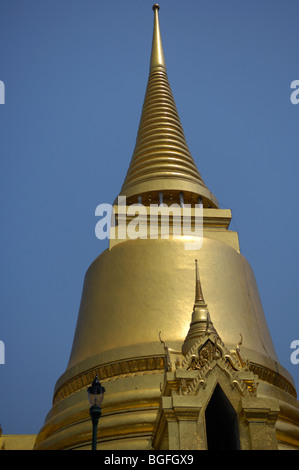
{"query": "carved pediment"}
[(209, 352)]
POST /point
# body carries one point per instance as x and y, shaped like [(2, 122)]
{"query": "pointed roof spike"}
[(198, 290), (201, 324), (157, 56), (161, 160)]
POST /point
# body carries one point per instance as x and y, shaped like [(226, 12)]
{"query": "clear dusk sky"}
[(75, 73)]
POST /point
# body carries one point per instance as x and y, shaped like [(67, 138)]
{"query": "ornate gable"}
[(207, 375)]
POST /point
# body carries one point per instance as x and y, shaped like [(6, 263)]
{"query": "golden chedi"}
[(172, 376)]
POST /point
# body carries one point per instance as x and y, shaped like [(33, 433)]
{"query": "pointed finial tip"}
[(157, 57)]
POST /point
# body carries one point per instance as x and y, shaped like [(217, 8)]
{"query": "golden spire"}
[(157, 57), (161, 161), (201, 323), (199, 300)]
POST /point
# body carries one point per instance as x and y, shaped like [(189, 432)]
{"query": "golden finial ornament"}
[(201, 323), (157, 57), (198, 290)]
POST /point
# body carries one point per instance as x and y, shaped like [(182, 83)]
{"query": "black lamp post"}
[(95, 396)]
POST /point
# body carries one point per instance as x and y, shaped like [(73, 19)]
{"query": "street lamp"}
[(95, 396)]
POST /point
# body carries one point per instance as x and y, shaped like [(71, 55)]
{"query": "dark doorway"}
[(221, 423)]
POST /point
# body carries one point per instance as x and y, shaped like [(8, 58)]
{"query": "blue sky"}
[(75, 74)]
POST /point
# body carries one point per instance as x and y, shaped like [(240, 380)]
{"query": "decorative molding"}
[(147, 365), (273, 378), (106, 372)]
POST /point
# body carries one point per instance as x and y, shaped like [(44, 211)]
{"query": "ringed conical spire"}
[(161, 161)]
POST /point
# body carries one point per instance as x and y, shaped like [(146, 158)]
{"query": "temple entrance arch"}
[(222, 428)]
